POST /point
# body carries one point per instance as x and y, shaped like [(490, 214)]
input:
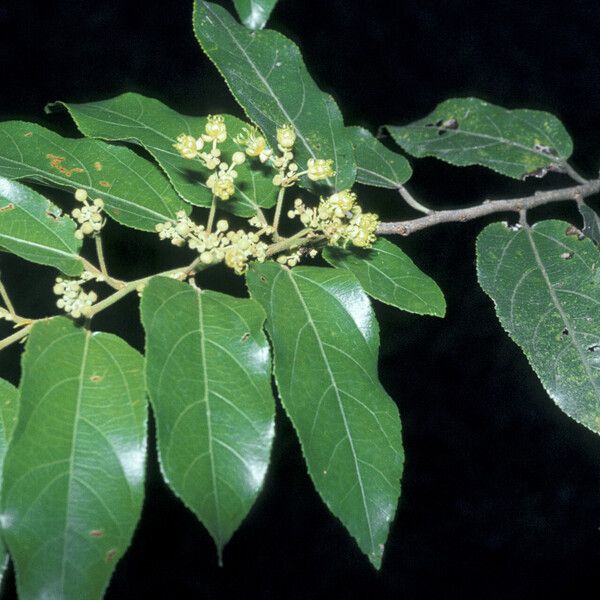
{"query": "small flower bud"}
[(81, 195), (286, 136), (238, 158)]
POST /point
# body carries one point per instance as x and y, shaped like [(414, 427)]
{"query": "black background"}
[(501, 490)]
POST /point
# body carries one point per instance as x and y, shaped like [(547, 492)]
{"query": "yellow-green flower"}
[(319, 168)]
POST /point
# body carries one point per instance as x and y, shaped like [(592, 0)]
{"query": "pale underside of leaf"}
[(254, 14), (468, 131), (546, 288), (591, 222)]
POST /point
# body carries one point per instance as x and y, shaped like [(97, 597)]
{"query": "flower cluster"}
[(235, 248), (89, 216), (288, 172), (221, 181), (73, 299), (339, 218)]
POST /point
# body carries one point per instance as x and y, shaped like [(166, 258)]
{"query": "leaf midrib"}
[(340, 405), (71, 474), (559, 308)]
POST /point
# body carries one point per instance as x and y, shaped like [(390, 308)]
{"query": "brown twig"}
[(460, 215)]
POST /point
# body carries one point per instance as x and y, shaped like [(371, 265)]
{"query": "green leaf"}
[(325, 341), (209, 379), (468, 131), (386, 273), (9, 402), (134, 190), (591, 222), (266, 75), (254, 13), (35, 229), (375, 164), (546, 288), (151, 124), (74, 471)]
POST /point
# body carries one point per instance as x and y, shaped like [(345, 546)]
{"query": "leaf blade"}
[(389, 275), (154, 126), (591, 222), (35, 229), (348, 427), (135, 192), (74, 472), (376, 165), (547, 295), (268, 78), (9, 399), (215, 431), (468, 131), (254, 14)]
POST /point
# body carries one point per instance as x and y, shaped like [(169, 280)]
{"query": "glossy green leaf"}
[(208, 375), (74, 471), (468, 131), (376, 165), (35, 229), (134, 190), (386, 273), (591, 222), (546, 288), (9, 399), (325, 341), (154, 126), (254, 13), (266, 74)]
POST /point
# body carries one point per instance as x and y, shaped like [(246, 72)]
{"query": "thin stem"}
[(460, 215), (573, 174), (114, 283), (123, 291), (211, 214), (277, 215), (261, 217), (411, 201), (15, 337), (6, 300), (101, 260), (293, 242)]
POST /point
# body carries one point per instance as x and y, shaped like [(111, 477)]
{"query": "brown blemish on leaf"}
[(246, 337), (52, 215), (56, 163), (104, 183), (572, 230), (7, 208), (28, 134), (110, 555), (96, 378), (97, 533), (567, 255), (98, 165)]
